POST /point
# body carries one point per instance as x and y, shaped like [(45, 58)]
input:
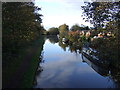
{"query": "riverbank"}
[(19, 72)]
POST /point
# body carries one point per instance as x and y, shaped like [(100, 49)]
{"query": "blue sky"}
[(58, 12)]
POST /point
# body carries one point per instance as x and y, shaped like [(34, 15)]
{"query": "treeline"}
[(105, 16), (104, 36), (22, 43), (21, 22), (65, 27)]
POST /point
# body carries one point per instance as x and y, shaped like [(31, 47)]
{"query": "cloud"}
[(61, 72), (59, 20), (67, 3), (58, 12)]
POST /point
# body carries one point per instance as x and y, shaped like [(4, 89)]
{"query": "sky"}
[(58, 12)]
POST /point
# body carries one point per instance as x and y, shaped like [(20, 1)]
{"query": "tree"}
[(53, 31), (75, 27), (104, 15), (86, 28), (99, 13), (20, 19), (20, 22), (63, 28)]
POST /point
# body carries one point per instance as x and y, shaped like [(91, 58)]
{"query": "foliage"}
[(101, 13), (73, 44), (21, 26), (53, 31), (108, 50), (105, 16), (52, 38), (63, 28), (20, 22), (75, 27), (29, 75), (84, 28)]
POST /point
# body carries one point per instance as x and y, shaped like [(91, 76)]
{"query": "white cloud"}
[(59, 20), (58, 12)]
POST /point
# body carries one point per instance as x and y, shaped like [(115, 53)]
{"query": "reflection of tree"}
[(53, 39), (71, 43), (38, 72), (39, 69), (63, 46), (97, 66), (105, 50), (108, 62), (108, 52), (115, 75)]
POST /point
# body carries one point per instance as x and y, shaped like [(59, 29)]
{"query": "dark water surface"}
[(63, 69)]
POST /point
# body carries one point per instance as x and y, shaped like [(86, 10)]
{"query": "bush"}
[(53, 31)]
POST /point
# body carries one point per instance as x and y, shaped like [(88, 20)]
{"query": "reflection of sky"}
[(65, 69)]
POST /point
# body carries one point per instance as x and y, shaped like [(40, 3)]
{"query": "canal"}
[(63, 68)]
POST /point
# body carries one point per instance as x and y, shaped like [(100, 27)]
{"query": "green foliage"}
[(83, 38), (20, 22), (21, 25), (105, 17), (63, 28), (53, 31), (53, 38), (29, 75), (71, 40), (98, 13), (87, 28), (75, 27), (11, 66), (108, 50)]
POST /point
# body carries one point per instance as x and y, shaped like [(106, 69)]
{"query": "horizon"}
[(58, 12)]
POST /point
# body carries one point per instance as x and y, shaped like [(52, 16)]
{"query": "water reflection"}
[(101, 70), (52, 38), (73, 46), (70, 68), (39, 69)]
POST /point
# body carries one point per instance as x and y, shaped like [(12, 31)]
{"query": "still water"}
[(65, 69)]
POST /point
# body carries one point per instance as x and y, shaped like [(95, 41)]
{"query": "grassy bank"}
[(29, 75), (19, 69)]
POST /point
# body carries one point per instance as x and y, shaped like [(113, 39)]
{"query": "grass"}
[(11, 66), (33, 64)]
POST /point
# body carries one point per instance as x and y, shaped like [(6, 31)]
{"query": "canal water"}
[(62, 68)]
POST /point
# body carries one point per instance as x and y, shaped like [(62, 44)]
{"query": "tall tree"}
[(100, 13), (53, 31), (63, 27), (63, 30), (20, 22), (75, 27), (20, 19)]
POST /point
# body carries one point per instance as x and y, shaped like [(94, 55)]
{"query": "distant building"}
[(88, 34), (109, 34), (100, 35)]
